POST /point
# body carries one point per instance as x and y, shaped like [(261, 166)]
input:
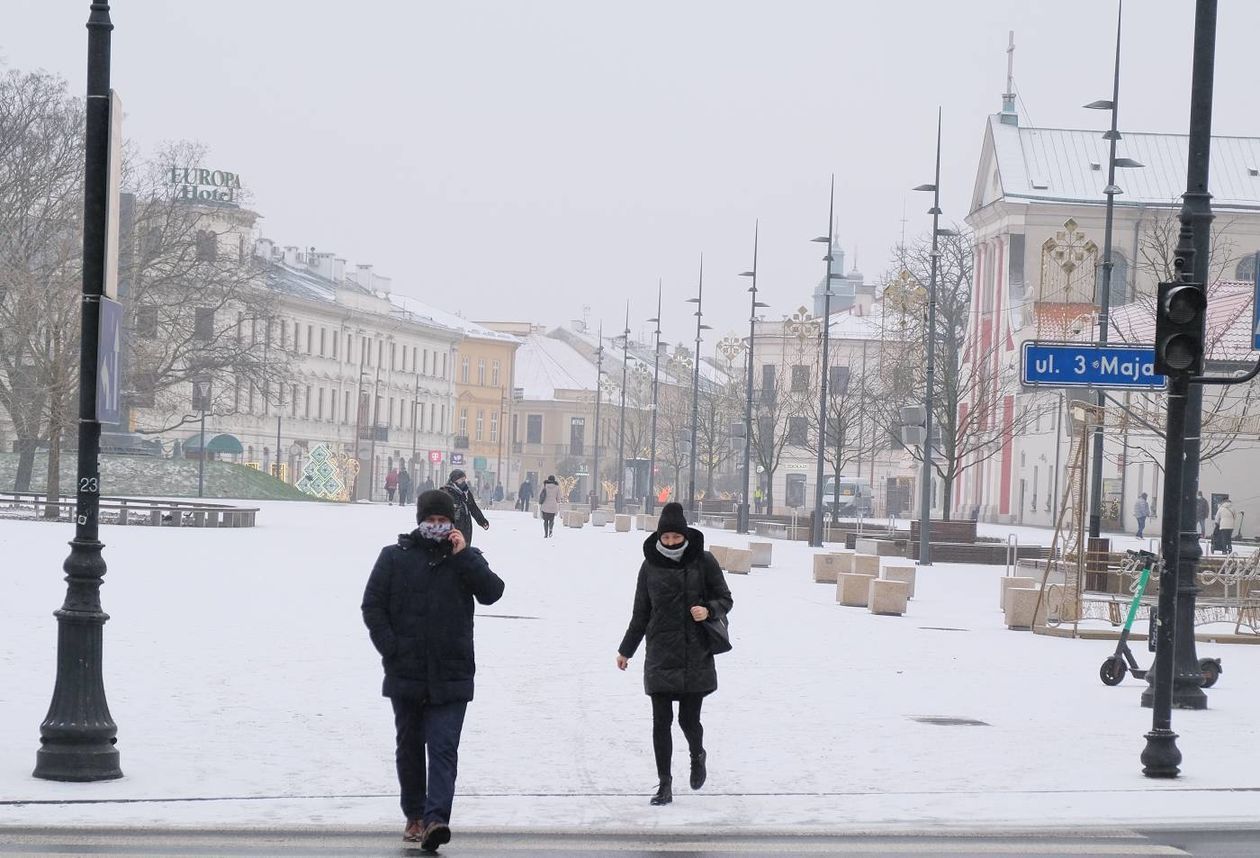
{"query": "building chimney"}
[(339, 270), (292, 256), (264, 248)]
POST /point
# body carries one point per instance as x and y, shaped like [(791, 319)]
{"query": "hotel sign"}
[(197, 185)]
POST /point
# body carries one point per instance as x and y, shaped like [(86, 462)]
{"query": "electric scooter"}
[(1115, 666)]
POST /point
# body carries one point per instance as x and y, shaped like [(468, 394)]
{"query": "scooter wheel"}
[(1112, 670), (1211, 669)]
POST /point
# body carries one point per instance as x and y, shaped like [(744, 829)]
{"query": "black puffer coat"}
[(418, 607), (678, 660)]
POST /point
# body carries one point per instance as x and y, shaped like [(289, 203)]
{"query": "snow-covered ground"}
[(238, 669)]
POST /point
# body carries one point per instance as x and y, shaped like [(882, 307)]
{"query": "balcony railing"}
[(461, 442)]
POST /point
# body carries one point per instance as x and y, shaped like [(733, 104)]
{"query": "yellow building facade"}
[(485, 367)]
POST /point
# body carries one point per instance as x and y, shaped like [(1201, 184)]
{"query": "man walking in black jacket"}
[(418, 607), (466, 509)]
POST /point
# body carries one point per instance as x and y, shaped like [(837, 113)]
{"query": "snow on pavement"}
[(238, 669)]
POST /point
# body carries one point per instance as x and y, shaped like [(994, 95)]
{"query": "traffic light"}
[(1179, 328)]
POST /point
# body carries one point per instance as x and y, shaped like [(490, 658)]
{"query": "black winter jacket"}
[(418, 607), (678, 660), (466, 510)]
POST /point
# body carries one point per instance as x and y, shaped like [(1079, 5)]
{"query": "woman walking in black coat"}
[(680, 586)]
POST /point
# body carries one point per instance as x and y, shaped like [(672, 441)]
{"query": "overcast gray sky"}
[(516, 160)]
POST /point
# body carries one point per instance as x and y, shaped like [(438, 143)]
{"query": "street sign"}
[(1255, 303), (1089, 365), (201, 395), (457, 458), (435, 457), (108, 362)]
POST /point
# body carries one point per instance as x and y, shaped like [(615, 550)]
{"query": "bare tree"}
[(41, 207), (967, 389), (195, 280)]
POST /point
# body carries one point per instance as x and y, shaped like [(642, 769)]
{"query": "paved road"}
[(1218, 843)]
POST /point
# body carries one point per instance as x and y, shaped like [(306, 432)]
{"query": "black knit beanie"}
[(673, 519), (434, 502), (457, 475)]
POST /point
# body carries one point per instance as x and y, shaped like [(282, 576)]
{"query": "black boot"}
[(664, 793), (698, 770)]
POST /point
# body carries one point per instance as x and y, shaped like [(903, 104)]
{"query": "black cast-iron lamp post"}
[(742, 516), (649, 503), (695, 390), (816, 531), (78, 736)]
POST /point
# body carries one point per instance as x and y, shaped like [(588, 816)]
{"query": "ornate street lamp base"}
[(77, 762), (1160, 758), (1187, 693)]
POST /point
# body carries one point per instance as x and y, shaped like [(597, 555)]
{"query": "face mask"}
[(435, 531), (674, 553)]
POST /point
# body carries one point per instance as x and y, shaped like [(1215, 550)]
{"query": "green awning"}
[(228, 444)]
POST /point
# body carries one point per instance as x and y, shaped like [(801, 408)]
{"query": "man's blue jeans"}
[(1141, 526), (427, 794)]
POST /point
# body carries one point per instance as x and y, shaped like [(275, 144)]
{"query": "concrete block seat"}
[(622, 523), (1013, 581), (887, 597), (826, 568), (738, 561), (645, 521), (719, 554), (853, 589), (761, 554), (1021, 603), (574, 518), (866, 564), (600, 517), (904, 572)]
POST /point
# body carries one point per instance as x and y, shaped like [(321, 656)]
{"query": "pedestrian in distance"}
[(404, 487), (680, 586), (498, 493), (1141, 511), (418, 608), (549, 504), (428, 484), (526, 494), (391, 485), (1225, 521), (1202, 512), (466, 509)]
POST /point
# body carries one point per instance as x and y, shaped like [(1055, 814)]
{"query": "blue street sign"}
[(108, 362), (1255, 304), (1089, 365)]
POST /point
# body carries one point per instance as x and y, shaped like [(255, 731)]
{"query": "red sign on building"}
[(435, 457)]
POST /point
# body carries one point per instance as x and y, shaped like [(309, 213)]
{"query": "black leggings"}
[(549, 521), (663, 721)]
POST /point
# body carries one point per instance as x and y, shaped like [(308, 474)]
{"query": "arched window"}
[(1120, 294), (1246, 269)]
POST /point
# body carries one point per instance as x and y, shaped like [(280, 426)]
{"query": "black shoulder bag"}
[(716, 629)]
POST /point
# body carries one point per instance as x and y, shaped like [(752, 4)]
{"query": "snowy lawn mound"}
[(238, 670)]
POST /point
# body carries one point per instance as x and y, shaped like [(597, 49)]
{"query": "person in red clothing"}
[(391, 484)]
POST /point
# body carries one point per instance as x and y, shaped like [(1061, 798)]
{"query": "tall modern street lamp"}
[(599, 396), (1104, 298), (77, 737), (621, 429), (649, 503), (695, 390), (742, 517), (925, 490), (816, 532)]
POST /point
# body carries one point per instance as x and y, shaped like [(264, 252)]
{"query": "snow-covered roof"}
[(449, 320), (545, 364), (1229, 332), (1070, 165), (854, 323)]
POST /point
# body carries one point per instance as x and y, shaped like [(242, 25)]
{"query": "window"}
[(345, 410), (320, 412), (767, 382), (463, 422), (494, 374), (481, 422), (1246, 269), (207, 246), (415, 353), (310, 339), (147, 320), (425, 366), (369, 351), (380, 352), (293, 400), (336, 338), (349, 348), (577, 435), (463, 370), (308, 402), (798, 431), (1119, 291), (533, 429), (838, 380), (332, 404), (391, 411), (494, 427), (203, 324), (297, 336), (800, 378), (323, 336), (443, 371), (393, 356), (481, 372), (442, 425)]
